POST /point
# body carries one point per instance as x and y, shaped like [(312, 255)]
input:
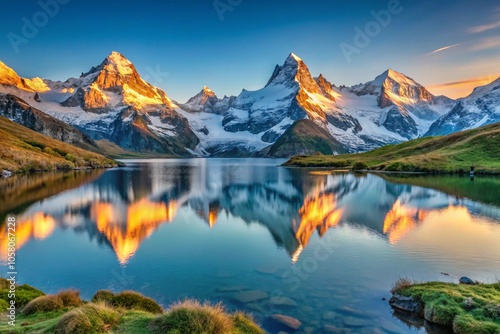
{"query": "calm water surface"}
[(323, 248)]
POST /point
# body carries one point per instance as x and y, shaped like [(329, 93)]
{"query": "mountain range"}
[(294, 113)]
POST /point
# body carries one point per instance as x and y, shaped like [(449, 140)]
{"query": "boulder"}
[(288, 321), (407, 304), (466, 280)]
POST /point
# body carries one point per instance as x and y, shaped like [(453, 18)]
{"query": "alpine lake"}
[(320, 246)]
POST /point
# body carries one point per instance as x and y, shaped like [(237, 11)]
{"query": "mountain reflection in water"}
[(123, 207)]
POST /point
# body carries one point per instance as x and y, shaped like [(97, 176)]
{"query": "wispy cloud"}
[(483, 28), (479, 81), (487, 43), (443, 49), (462, 88)]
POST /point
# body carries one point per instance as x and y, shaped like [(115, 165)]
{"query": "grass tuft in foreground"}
[(468, 309), (125, 312), (129, 300), (190, 316)]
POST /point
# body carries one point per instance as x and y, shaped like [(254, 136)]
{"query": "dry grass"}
[(104, 296), (88, 319), (70, 298), (47, 303), (401, 284), (191, 316)]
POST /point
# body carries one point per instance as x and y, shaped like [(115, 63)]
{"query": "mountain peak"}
[(197, 102), (207, 91), (9, 77), (293, 56), (6, 72), (396, 76), (293, 71), (485, 89), (117, 63)]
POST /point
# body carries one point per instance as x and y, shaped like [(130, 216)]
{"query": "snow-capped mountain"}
[(480, 108), (114, 83), (17, 109), (256, 119), (114, 103), (207, 101), (408, 108)]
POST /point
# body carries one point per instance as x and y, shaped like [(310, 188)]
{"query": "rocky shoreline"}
[(467, 307)]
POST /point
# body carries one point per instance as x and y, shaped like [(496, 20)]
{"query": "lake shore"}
[(451, 154), (347, 162), (108, 312), (463, 308)]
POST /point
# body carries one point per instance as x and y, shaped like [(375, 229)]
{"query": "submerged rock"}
[(245, 297), (287, 321), (283, 301), (329, 315), (330, 329), (230, 289), (407, 304), (354, 322)]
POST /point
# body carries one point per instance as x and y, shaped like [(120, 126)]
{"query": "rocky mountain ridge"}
[(112, 102)]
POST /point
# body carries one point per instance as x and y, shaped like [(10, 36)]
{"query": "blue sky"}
[(229, 45)]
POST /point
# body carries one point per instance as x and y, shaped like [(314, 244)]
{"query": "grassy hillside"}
[(305, 137), (448, 154), (24, 150)]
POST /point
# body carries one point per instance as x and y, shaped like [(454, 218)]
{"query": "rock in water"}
[(245, 297), (287, 321), (407, 304), (466, 280), (6, 173), (283, 301)]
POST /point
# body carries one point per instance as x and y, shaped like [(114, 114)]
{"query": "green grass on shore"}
[(122, 313), (468, 309), (24, 150), (454, 153)]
